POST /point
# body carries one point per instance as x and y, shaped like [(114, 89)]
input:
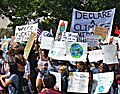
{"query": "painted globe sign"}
[(76, 50)]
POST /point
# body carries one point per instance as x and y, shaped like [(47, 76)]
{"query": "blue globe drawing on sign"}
[(101, 88), (76, 50)]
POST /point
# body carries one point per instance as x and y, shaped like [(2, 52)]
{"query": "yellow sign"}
[(29, 44)]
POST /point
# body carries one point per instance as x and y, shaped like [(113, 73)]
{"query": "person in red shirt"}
[(49, 82)]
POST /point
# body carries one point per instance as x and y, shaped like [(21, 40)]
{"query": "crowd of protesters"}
[(32, 76)]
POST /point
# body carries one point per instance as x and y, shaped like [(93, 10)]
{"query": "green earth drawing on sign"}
[(76, 50), (62, 27)]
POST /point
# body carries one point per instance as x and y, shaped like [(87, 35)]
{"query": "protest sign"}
[(58, 50), (22, 33), (116, 40), (76, 51), (61, 28), (109, 54), (118, 54), (78, 82), (46, 42), (83, 21), (5, 48), (58, 79), (104, 82), (69, 37), (99, 31), (29, 44), (92, 40), (95, 55), (44, 34)]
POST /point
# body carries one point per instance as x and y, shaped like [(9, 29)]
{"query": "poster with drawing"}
[(22, 33), (109, 54), (58, 50), (58, 79), (76, 51), (95, 55), (78, 82), (46, 42), (61, 28), (100, 31), (104, 82)]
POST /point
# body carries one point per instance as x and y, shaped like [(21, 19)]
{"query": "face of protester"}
[(101, 68), (80, 66), (43, 55)]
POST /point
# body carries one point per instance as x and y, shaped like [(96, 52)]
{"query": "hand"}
[(0, 77), (3, 62)]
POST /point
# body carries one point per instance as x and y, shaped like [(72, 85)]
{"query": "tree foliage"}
[(54, 10)]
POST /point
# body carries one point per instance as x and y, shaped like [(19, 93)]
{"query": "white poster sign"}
[(95, 55), (46, 42), (76, 51), (83, 21), (110, 54), (61, 28), (22, 33), (116, 40), (69, 37), (58, 79), (58, 50), (78, 82), (92, 40), (104, 82)]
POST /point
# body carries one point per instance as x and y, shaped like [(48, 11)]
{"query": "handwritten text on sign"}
[(22, 33)]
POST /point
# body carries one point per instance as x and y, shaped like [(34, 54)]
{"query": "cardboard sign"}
[(78, 82), (29, 44), (84, 21), (61, 28), (103, 81), (99, 31), (22, 33)]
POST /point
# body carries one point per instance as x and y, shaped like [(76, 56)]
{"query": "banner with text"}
[(78, 82), (22, 33), (83, 21)]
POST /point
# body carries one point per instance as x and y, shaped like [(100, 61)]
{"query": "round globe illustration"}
[(76, 50), (101, 88)]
